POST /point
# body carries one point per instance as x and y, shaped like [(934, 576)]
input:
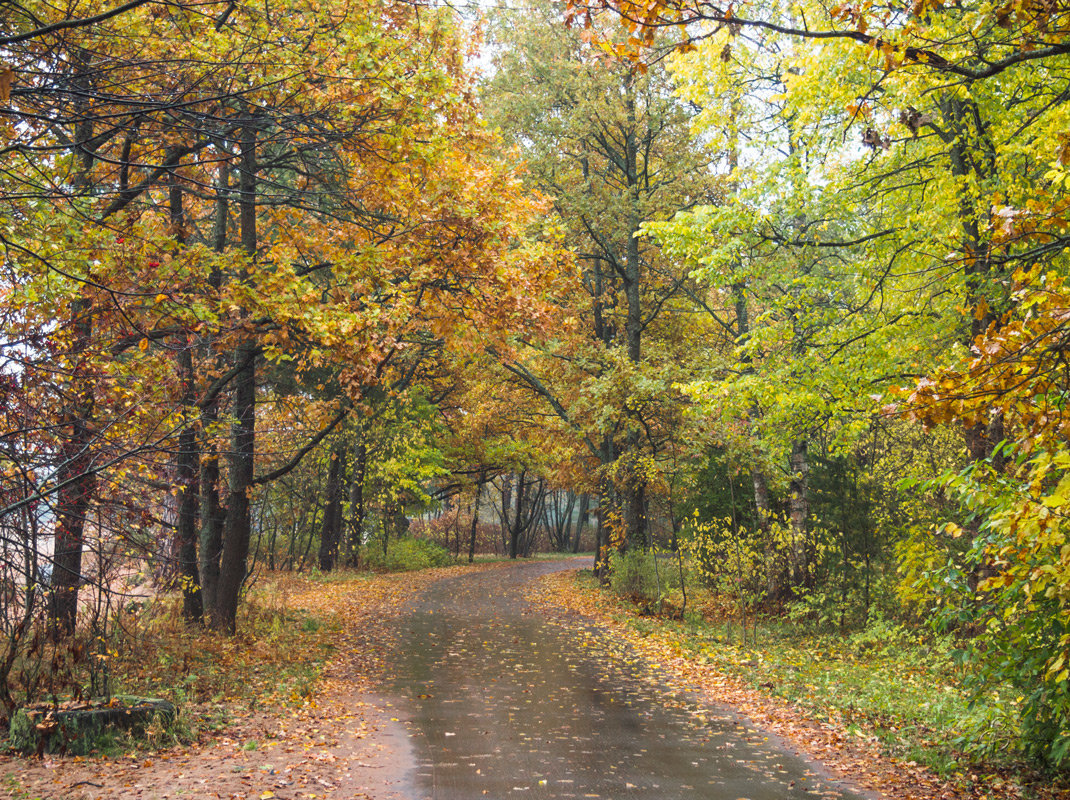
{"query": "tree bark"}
[(800, 511), (475, 516), (357, 510), (606, 500), (581, 521), (186, 531), (331, 532), (213, 515), (514, 528), (74, 473), (187, 458), (972, 154), (238, 527), (79, 485), (634, 484)]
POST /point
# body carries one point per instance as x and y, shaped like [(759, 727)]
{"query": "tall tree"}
[(605, 138), (936, 137), (339, 214)]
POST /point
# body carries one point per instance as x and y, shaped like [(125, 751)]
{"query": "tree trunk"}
[(606, 499), (78, 484), (188, 457), (634, 499), (634, 484), (357, 510), (800, 511), (514, 528), (581, 521), (331, 532), (971, 154), (213, 515), (186, 532), (565, 522), (475, 516), (236, 532)]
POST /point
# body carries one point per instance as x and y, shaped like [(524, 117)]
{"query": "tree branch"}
[(522, 372), (72, 23), (304, 451)]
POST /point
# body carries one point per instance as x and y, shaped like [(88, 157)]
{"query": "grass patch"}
[(902, 695), (888, 682), (405, 554), (275, 660), (13, 788)]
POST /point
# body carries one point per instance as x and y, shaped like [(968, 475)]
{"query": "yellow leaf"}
[(1060, 496), (143, 344), (160, 298)]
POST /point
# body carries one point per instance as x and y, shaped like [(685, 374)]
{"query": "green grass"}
[(912, 704), (12, 785), (890, 682), (275, 660), (338, 575)]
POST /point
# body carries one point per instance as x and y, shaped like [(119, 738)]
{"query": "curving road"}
[(502, 705)]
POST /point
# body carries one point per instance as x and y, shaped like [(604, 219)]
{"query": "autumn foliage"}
[(228, 230)]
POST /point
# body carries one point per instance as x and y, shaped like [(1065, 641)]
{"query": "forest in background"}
[(778, 287)]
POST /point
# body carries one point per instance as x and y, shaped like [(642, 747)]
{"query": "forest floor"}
[(289, 710), (285, 710)]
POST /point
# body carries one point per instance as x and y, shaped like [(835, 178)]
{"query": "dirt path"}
[(537, 705), (853, 757), (504, 705)]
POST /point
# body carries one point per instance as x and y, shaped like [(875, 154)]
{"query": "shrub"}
[(735, 562), (405, 554), (635, 574)]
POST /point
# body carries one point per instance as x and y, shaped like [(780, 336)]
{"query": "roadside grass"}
[(274, 660), (290, 627), (11, 784), (901, 693), (886, 682)]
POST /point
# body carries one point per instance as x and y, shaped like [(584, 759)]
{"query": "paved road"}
[(505, 706)]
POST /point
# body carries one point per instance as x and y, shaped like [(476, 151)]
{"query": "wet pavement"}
[(503, 705)]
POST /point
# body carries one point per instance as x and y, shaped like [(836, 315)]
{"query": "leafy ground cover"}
[(882, 708)]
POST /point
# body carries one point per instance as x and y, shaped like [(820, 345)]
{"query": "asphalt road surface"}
[(504, 705)]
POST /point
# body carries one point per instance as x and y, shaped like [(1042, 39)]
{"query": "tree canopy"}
[(781, 286)]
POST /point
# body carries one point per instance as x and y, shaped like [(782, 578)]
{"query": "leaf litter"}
[(334, 739), (845, 751)]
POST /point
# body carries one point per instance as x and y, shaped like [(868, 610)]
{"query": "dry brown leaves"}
[(340, 743)]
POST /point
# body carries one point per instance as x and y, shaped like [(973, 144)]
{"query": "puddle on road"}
[(504, 705)]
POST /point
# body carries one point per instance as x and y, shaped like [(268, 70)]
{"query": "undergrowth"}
[(405, 554), (889, 681), (274, 660)]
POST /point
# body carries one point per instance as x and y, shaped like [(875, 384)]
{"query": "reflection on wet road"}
[(504, 705)]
